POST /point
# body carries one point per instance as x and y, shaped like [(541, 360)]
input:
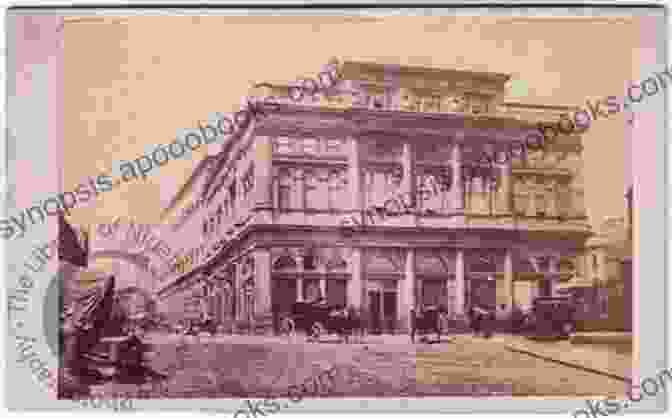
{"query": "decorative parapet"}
[(535, 113)]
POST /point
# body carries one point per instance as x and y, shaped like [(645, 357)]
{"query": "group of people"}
[(482, 320)]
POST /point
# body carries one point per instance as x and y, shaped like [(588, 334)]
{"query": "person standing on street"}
[(475, 320)]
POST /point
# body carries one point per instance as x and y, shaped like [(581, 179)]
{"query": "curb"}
[(567, 363)]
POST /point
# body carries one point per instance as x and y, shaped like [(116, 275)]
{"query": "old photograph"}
[(279, 208)]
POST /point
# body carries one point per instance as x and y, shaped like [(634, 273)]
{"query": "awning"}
[(575, 282)]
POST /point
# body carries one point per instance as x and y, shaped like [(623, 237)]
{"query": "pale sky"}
[(135, 82)]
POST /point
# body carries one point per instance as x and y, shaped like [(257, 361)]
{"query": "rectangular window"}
[(334, 145), (232, 191), (377, 102), (284, 197), (311, 196), (540, 204), (283, 145), (311, 146), (521, 203), (433, 104), (337, 292), (564, 199)]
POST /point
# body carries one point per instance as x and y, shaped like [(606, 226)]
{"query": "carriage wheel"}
[(316, 330), (287, 327)]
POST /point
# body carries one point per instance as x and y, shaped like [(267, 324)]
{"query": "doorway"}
[(375, 303), (382, 311)]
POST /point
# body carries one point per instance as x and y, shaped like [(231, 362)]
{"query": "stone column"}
[(355, 285), (299, 280), (355, 178), (554, 268), (531, 185), (458, 185), (408, 182), (262, 282), (505, 195), (552, 198), (298, 189), (508, 280), (407, 288), (459, 283), (263, 174), (323, 287)]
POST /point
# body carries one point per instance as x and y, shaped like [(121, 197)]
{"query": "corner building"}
[(302, 203)]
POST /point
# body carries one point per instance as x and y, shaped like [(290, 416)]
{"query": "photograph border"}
[(649, 254)]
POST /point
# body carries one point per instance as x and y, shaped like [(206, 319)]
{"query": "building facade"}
[(604, 295), (373, 193)]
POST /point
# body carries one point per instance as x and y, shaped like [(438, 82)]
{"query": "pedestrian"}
[(475, 319), (413, 324), (502, 319), (488, 326), (517, 318), (276, 318)]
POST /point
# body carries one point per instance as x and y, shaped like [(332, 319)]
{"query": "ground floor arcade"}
[(384, 282)]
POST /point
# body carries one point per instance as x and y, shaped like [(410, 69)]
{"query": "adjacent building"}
[(373, 193)]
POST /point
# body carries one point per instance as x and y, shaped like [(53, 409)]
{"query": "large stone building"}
[(371, 194)]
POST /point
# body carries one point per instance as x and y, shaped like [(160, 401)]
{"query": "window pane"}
[(336, 292), (284, 198), (311, 290), (334, 145), (310, 146), (283, 145)]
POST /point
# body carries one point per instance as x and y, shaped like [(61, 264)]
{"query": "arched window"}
[(564, 197), (337, 196), (337, 263), (284, 262), (312, 291), (284, 189), (248, 299), (227, 301), (309, 262), (521, 198), (311, 188)]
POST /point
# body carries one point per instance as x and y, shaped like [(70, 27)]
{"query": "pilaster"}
[(323, 287), (554, 268), (299, 280), (355, 287), (262, 281), (505, 196), (407, 290), (355, 177), (458, 181), (263, 172), (507, 286), (459, 283), (408, 182)]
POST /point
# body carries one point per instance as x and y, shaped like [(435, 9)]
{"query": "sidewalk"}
[(609, 338), (585, 357)]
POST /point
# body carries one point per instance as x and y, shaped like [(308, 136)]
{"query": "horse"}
[(427, 319)]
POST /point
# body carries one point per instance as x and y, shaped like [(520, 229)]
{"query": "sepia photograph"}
[(272, 208)]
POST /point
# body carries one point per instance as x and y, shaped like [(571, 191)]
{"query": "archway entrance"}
[(382, 300)]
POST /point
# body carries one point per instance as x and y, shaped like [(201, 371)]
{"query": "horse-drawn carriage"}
[(426, 320), (317, 319), (98, 341), (550, 318)]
